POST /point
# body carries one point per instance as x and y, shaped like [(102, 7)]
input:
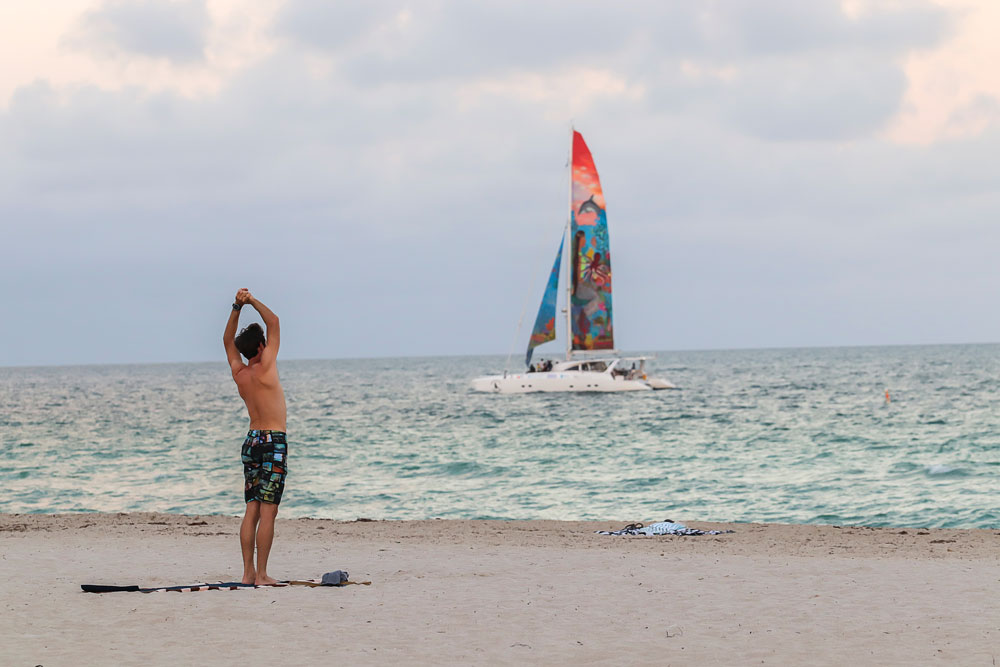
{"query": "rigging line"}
[(520, 321)]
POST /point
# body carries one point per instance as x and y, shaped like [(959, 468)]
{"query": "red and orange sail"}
[(590, 259)]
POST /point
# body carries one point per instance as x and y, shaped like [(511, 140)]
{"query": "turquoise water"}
[(797, 436)]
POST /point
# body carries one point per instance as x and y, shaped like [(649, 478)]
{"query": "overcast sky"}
[(390, 176)]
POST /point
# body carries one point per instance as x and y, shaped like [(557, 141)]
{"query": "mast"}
[(569, 253)]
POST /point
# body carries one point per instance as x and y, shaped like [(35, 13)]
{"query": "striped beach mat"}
[(222, 586)]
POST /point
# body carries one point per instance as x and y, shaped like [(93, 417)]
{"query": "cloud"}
[(175, 30), (391, 41), (398, 42), (973, 117), (741, 28), (814, 98), (391, 176), (785, 70)]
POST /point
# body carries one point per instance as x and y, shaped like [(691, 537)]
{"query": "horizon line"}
[(500, 354)]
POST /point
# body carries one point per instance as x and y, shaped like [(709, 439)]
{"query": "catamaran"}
[(591, 363)]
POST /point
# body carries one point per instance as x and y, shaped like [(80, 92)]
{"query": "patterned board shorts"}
[(265, 464)]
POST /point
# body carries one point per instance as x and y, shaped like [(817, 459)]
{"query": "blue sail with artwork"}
[(545, 322)]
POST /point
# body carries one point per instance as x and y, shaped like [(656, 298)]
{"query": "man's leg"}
[(265, 535), (248, 530)]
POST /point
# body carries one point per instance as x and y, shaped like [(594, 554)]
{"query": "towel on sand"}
[(662, 528)]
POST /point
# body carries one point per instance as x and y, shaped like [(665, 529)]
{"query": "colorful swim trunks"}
[(265, 464)]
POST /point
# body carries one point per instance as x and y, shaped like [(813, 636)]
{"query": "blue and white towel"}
[(662, 528)]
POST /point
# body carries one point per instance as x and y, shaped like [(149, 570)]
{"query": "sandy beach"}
[(490, 592)]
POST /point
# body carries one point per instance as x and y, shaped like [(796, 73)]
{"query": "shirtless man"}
[(265, 450)]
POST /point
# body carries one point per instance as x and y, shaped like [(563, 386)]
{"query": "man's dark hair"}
[(249, 340)]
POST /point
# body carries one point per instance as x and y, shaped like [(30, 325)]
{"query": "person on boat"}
[(265, 448)]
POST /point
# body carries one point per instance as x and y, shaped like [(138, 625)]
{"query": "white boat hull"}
[(564, 381)]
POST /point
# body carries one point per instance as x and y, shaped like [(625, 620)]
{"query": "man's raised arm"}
[(273, 328), (229, 335)]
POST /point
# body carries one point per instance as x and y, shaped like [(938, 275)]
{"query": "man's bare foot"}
[(249, 577), (265, 580)]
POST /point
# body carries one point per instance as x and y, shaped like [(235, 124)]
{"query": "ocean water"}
[(795, 435)]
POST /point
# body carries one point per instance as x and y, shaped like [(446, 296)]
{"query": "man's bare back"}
[(265, 450), (261, 390)]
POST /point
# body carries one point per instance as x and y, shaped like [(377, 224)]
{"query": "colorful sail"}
[(590, 271), (545, 323)]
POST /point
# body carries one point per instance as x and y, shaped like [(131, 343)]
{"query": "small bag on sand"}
[(335, 578)]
